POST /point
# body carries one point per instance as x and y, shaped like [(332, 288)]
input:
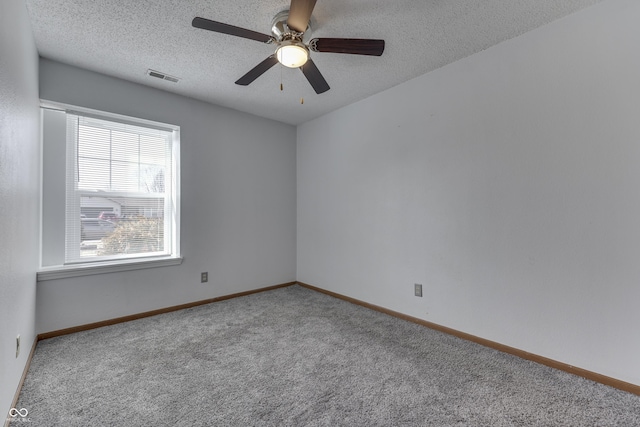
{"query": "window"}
[(120, 188)]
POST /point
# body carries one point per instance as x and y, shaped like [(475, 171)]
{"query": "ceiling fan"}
[(291, 33)]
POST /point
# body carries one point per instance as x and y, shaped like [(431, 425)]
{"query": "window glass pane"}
[(94, 142), (124, 146), (152, 179), (152, 150), (94, 174), (125, 176)]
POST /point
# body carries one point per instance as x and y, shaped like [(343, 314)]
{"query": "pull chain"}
[(282, 86)]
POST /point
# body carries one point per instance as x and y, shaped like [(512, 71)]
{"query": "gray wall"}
[(19, 193), (238, 218), (506, 183)]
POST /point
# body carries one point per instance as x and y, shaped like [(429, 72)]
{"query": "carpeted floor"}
[(295, 357)]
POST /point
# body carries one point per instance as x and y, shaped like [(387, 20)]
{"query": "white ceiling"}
[(124, 38)]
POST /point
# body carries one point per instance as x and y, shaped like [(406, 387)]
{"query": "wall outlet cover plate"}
[(418, 290)]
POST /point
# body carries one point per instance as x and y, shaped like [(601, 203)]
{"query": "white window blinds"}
[(120, 189)]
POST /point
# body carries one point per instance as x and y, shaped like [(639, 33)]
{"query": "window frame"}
[(135, 261)]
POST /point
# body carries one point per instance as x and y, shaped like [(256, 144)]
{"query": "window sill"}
[(63, 272)]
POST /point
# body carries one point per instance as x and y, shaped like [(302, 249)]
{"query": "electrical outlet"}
[(204, 277), (417, 289), (18, 345)]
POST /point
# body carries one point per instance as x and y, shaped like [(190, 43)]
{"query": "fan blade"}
[(299, 14), (219, 27), (352, 46), (257, 71), (312, 74)]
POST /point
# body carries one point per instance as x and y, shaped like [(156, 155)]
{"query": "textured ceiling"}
[(124, 38)]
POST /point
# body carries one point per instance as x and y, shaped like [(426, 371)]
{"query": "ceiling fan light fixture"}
[(292, 54), (291, 33)]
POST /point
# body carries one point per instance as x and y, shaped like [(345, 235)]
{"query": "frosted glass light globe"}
[(292, 55)]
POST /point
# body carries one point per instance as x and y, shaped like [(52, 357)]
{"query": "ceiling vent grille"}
[(163, 76)]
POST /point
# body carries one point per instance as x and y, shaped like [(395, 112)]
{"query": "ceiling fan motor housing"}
[(281, 30)]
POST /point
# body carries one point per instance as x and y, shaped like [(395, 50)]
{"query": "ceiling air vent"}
[(163, 76)]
